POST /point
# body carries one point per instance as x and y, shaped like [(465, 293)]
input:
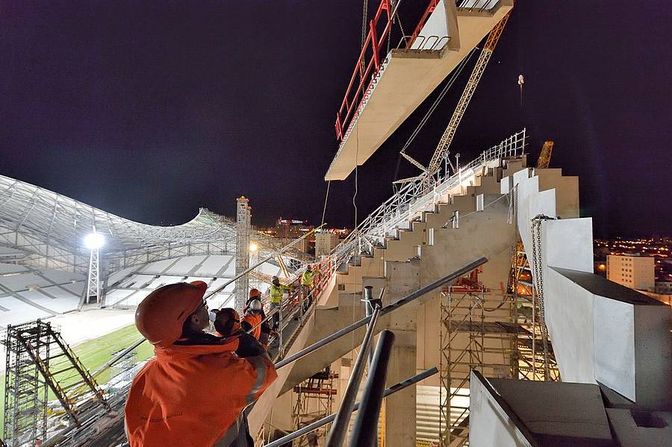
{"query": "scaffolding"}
[(39, 361), (472, 336), (535, 357), (243, 219), (314, 400)]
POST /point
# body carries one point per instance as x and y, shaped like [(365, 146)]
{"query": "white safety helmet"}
[(255, 305)]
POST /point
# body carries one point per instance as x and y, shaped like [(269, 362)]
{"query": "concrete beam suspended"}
[(405, 80)]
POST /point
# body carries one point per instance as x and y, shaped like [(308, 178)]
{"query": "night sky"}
[(151, 109)]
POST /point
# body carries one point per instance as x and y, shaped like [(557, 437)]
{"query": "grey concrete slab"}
[(603, 287), (649, 430), (558, 414)]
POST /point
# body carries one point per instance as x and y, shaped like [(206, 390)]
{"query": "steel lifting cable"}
[(432, 108), (326, 198), (365, 16)]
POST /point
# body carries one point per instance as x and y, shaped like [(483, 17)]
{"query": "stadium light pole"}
[(94, 241)]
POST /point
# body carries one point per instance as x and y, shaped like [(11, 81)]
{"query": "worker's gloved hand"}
[(248, 346)]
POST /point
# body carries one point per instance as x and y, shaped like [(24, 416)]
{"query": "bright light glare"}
[(253, 247), (94, 241)]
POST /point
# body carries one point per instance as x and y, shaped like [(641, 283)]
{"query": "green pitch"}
[(93, 354)]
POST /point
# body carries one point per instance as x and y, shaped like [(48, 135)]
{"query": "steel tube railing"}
[(340, 426), (385, 310), (210, 294), (411, 198), (118, 357), (327, 419), (366, 425)]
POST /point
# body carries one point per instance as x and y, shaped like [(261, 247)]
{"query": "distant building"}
[(288, 230), (325, 241), (664, 287), (636, 272)]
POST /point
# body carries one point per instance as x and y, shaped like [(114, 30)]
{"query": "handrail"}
[(423, 19), (364, 70), (366, 424), (211, 293), (340, 425), (385, 310), (414, 197), (473, 5), (327, 419)]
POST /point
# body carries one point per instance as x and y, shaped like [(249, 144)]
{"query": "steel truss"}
[(243, 226), (413, 198), (47, 230), (39, 360)]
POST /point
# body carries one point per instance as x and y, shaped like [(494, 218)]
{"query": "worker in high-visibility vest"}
[(307, 283), (275, 294), (193, 391)]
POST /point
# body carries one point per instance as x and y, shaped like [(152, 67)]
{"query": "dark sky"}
[(150, 109)]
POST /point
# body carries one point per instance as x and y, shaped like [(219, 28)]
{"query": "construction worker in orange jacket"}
[(193, 392)]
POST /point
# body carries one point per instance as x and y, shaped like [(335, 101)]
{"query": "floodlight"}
[(94, 241), (253, 247)]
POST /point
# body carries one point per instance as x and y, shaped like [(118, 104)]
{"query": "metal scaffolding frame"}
[(314, 401), (470, 339), (39, 361), (536, 360), (243, 225)]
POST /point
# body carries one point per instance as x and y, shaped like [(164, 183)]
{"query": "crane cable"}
[(432, 108), (326, 198)]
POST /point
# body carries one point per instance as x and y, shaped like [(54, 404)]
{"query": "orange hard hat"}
[(161, 315), (255, 293)]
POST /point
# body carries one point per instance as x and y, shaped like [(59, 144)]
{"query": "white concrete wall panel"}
[(569, 318), (653, 356), (568, 243), (490, 425), (434, 35), (614, 340)]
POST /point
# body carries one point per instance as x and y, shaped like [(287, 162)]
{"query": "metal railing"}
[(385, 310), (415, 197), (364, 70), (366, 425), (476, 5), (340, 426), (424, 43), (328, 419), (423, 19), (298, 305)]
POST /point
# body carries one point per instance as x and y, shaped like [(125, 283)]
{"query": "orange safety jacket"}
[(254, 320), (193, 396)]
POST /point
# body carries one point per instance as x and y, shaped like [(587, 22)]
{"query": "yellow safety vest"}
[(307, 278), (276, 293)]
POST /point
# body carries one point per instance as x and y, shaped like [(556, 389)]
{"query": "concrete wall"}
[(436, 25), (489, 424)]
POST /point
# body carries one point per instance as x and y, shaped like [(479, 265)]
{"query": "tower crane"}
[(544, 160), (447, 138)]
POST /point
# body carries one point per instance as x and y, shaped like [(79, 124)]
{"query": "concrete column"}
[(400, 419), (400, 407)]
